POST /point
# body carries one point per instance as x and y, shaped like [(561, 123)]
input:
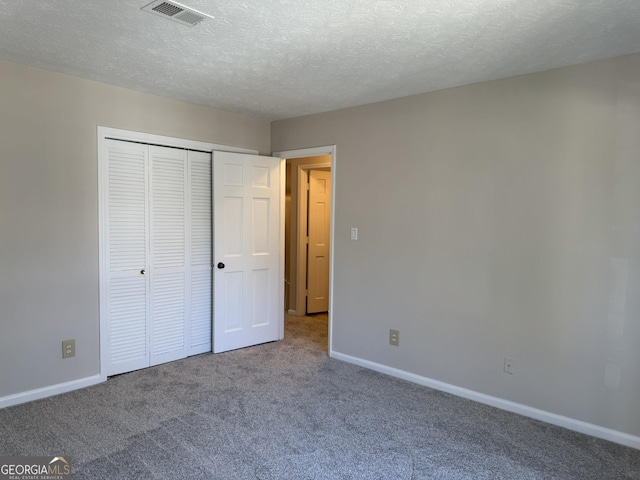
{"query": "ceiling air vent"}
[(177, 12)]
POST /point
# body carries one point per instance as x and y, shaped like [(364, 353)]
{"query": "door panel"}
[(168, 254), (319, 225), (261, 294), (127, 324), (168, 334), (200, 312), (233, 223), (168, 209), (233, 311), (247, 240), (126, 256), (261, 222)]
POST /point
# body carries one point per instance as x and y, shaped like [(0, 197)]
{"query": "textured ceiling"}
[(285, 58)]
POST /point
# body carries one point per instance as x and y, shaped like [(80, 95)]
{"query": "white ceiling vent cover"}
[(177, 12)]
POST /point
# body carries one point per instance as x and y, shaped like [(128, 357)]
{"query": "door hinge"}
[(308, 187), (307, 240)]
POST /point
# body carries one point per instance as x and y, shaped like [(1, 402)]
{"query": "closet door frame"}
[(108, 133)]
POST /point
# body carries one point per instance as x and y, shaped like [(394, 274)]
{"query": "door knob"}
[(220, 265), (142, 272)]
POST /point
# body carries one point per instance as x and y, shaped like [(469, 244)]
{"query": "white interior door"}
[(126, 284), (319, 225), (248, 250)]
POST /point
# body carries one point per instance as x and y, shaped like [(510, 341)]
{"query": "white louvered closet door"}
[(201, 252), (168, 197), (127, 233), (157, 211)]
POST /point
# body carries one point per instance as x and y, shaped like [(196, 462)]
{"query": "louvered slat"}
[(201, 232), (169, 253), (168, 209), (201, 253), (127, 220), (127, 208), (201, 309), (168, 313)]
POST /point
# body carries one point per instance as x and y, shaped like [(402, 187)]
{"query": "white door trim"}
[(163, 141), (312, 152), (103, 134)]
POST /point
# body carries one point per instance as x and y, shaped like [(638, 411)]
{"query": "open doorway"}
[(308, 233), (306, 289)]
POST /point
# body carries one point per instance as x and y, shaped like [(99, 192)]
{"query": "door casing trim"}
[(312, 152)]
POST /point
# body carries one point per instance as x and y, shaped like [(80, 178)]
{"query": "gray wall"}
[(49, 209), (497, 219)]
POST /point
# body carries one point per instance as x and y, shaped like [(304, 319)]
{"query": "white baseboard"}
[(49, 391), (548, 417)]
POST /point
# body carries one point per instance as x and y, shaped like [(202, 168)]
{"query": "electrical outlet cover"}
[(508, 365), (68, 348)]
